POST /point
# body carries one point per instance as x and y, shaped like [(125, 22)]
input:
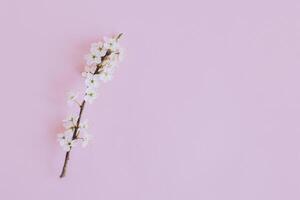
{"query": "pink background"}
[(206, 104)]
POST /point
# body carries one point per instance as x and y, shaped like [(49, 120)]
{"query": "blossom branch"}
[(101, 63)]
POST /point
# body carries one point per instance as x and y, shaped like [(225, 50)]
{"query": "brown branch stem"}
[(67, 157), (75, 134), (64, 170)]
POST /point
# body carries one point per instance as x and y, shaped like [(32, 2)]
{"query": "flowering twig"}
[(101, 63)]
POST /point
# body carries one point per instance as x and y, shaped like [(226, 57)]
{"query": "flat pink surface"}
[(206, 104)]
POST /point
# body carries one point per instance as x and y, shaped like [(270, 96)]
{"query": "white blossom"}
[(70, 122), (64, 136), (66, 140), (93, 58), (113, 59), (68, 144), (92, 80), (85, 139), (110, 69), (106, 75), (83, 126), (72, 96), (110, 43), (98, 49), (90, 95)]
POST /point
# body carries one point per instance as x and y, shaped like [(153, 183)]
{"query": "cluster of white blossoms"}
[(101, 64), (67, 140)]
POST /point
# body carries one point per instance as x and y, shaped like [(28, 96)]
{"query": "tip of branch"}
[(119, 36), (63, 174)]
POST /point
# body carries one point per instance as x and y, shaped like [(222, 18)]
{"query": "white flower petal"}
[(72, 96), (92, 80), (90, 95), (106, 76), (86, 139)]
